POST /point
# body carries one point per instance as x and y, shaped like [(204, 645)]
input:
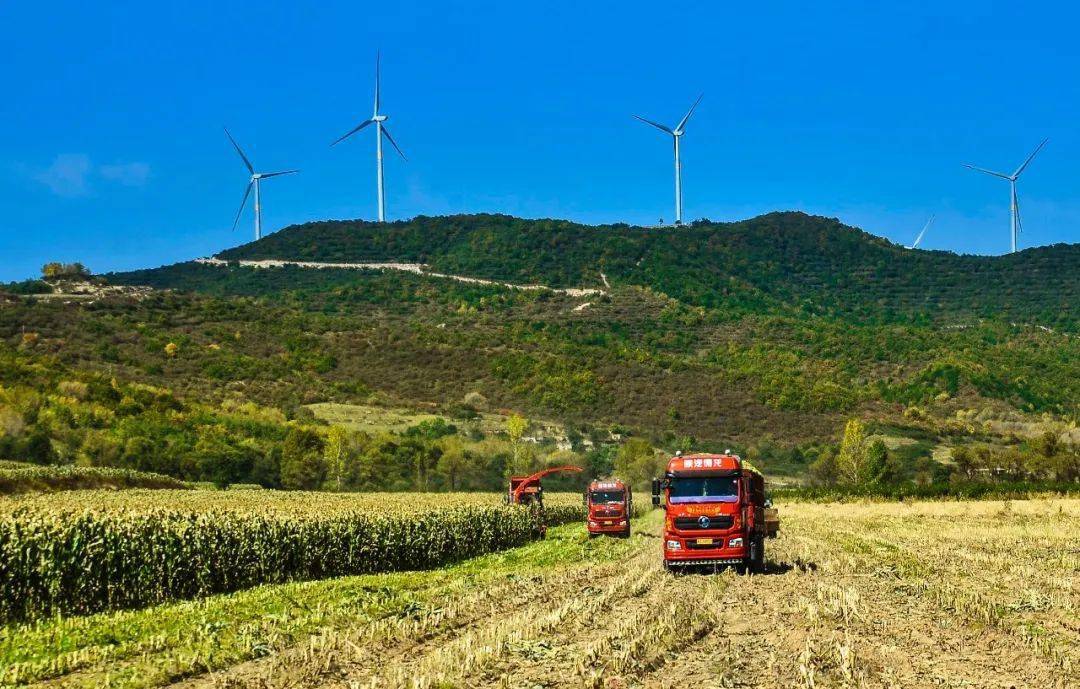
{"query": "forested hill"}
[(765, 336), (792, 261)]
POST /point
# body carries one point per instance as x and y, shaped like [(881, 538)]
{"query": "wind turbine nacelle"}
[(380, 118)]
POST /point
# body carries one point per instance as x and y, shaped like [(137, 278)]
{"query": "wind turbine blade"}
[(1030, 157), (275, 174), (386, 133), (243, 203), (353, 131), (242, 156), (658, 126), (377, 60), (924, 229), (689, 112), (989, 172)]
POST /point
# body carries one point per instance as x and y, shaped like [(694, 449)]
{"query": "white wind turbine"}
[(1014, 206), (918, 239), (256, 178), (380, 131), (676, 134)]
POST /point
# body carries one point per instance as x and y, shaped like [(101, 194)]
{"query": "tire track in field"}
[(630, 622), (481, 656), (338, 657), (855, 622), (325, 656)]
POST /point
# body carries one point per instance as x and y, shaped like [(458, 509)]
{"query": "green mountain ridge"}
[(786, 319), (785, 260)]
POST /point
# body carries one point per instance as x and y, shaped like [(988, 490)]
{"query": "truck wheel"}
[(626, 534), (757, 556)]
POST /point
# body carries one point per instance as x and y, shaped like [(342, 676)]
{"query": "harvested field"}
[(929, 594)]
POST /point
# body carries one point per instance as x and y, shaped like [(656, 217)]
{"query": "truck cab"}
[(608, 504), (715, 512)]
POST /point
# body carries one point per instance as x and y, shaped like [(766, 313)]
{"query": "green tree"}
[(965, 460), (638, 463), (877, 460), (1066, 464), (601, 461), (851, 461), (453, 462), (432, 429), (219, 459), (266, 467), (824, 471), (1048, 443), (302, 465)]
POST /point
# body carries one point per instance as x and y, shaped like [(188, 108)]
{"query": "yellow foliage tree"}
[(336, 453), (515, 428), (852, 460)]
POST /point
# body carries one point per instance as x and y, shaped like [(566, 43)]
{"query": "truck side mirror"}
[(656, 492)]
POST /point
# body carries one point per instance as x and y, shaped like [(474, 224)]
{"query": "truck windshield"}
[(600, 497), (705, 489)]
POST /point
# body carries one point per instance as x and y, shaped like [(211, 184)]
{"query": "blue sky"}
[(111, 149)]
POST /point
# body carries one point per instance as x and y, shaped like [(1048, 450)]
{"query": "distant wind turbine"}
[(256, 178), (918, 239), (380, 132), (1016, 225), (676, 134)]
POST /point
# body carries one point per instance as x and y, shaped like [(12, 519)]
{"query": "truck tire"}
[(625, 534), (756, 561)]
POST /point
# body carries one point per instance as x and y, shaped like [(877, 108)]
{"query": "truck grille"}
[(694, 524), (694, 545)]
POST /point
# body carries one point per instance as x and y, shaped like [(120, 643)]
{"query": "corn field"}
[(16, 478), (85, 552)]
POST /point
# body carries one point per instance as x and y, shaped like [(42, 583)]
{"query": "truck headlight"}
[(674, 545), (592, 523), (735, 543), (622, 523)]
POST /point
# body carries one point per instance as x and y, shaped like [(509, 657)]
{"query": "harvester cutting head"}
[(526, 490)]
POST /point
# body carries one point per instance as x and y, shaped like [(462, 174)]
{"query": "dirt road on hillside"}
[(856, 596), (417, 268)]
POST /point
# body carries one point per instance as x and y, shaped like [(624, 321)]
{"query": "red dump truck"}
[(609, 504), (715, 513)]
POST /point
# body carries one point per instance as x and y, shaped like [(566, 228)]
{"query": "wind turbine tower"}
[(1014, 205), (378, 119), (256, 178), (676, 134)]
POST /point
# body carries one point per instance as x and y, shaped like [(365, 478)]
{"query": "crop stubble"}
[(935, 594)]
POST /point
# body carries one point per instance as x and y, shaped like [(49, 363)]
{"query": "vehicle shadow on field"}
[(771, 568), (785, 567)]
